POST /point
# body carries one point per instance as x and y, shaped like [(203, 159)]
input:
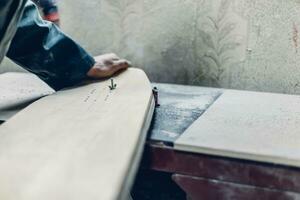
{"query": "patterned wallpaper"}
[(241, 44)]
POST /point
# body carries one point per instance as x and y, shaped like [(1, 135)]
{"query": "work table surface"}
[(218, 176), (204, 176), (179, 106)]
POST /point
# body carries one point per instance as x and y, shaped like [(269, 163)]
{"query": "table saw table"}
[(213, 175), (203, 176)]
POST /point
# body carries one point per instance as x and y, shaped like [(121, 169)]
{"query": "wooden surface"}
[(18, 90), (248, 125), (81, 143)]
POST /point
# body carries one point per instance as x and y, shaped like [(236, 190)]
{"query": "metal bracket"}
[(155, 94)]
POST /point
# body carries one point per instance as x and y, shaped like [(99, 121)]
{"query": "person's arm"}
[(41, 48)]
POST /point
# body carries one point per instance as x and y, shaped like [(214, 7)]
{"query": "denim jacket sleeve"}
[(41, 48)]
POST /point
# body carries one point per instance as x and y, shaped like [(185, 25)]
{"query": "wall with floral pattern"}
[(240, 44)]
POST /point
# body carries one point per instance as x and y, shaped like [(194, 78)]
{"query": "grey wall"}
[(242, 44)]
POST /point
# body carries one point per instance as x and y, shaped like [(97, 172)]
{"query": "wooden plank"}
[(81, 143), (17, 90), (208, 189), (248, 125), (166, 159)]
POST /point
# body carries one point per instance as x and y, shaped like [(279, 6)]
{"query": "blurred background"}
[(240, 44)]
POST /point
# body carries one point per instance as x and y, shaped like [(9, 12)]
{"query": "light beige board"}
[(19, 89), (248, 125), (79, 144)]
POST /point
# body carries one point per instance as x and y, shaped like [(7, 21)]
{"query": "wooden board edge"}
[(238, 155), (131, 172)]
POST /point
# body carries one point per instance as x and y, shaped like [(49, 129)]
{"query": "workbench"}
[(203, 176)]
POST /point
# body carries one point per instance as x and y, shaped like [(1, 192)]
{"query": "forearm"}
[(43, 49)]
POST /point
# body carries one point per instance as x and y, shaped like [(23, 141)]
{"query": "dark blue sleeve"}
[(41, 48)]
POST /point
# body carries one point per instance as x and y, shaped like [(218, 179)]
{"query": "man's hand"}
[(106, 65)]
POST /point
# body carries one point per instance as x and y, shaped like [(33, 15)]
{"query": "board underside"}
[(248, 125), (80, 143)]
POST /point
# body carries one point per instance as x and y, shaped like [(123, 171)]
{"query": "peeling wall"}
[(242, 44)]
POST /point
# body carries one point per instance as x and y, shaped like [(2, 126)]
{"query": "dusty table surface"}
[(179, 107), (219, 177)]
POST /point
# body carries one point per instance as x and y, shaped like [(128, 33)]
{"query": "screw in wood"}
[(112, 85)]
